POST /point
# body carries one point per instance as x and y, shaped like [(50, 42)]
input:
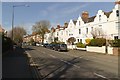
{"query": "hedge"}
[(114, 43), (80, 45), (97, 42)]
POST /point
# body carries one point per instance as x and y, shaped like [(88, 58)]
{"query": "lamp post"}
[(13, 17)]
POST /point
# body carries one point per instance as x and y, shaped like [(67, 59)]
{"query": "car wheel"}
[(59, 50)]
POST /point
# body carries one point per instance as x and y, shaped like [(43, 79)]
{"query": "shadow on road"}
[(28, 49), (52, 68)]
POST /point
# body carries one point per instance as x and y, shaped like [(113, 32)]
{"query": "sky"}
[(55, 12)]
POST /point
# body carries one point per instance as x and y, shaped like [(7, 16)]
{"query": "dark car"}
[(45, 45), (61, 47)]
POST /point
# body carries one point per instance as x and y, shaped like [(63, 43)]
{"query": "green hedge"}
[(115, 43), (97, 42), (80, 45)]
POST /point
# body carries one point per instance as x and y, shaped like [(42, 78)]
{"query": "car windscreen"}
[(63, 45)]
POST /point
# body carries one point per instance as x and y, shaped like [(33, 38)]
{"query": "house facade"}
[(103, 24)]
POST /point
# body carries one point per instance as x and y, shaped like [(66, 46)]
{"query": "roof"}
[(87, 20), (91, 19), (107, 13), (74, 21)]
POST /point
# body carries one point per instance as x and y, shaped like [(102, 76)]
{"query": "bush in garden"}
[(80, 45), (87, 41), (97, 42), (115, 43)]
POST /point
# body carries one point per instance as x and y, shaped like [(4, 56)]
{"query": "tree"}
[(18, 33), (97, 33), (71, 40), (41, 28)]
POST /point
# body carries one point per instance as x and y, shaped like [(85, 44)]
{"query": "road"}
[(73, 64)]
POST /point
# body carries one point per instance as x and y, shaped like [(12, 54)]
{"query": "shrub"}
[(87, 41), (115, 43), (97, 42), (80, 45)]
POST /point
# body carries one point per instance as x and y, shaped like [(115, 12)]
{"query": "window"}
[(81, 40), (70, 34), (87, 30), (100, 25), (115, 37), (79, 31), (117, 13), (91, 28), (99, 17), (57, 33), (78, 40)]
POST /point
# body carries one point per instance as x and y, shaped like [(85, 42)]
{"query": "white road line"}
[(52, 56), (28, 55), (43, 52), (69, 63), (65, 61), (76, 66), (100, 75)]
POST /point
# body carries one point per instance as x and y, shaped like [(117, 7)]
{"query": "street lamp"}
[(13, 16)]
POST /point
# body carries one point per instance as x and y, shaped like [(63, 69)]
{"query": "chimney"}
[(85, 16), (52, 29), (58, 26), (65, 25), (117, 2)]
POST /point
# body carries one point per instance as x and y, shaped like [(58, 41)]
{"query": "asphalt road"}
[(73, 64)]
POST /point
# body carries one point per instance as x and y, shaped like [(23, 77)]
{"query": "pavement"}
[(15, 65)]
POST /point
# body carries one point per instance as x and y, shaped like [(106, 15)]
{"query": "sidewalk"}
[(15, 65)]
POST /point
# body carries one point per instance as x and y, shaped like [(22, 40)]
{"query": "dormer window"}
[(117, 13)]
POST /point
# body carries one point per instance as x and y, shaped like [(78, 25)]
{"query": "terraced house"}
[(103, 24)]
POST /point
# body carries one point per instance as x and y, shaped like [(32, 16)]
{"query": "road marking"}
[(80, 57), (65, 61), (43, 52), (100, 76), (52, 56), (28, 55)]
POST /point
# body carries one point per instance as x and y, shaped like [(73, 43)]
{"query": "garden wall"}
[(96, 49)]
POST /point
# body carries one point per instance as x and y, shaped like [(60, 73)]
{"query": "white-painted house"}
[(107, 22)]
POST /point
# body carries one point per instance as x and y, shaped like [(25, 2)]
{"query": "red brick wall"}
[(116, 51)]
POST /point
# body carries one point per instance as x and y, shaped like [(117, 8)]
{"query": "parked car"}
[(49, 46), (45, 45), (38, 44), (61, 47), (53, 46)]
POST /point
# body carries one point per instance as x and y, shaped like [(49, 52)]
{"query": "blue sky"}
[(55, 12)]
